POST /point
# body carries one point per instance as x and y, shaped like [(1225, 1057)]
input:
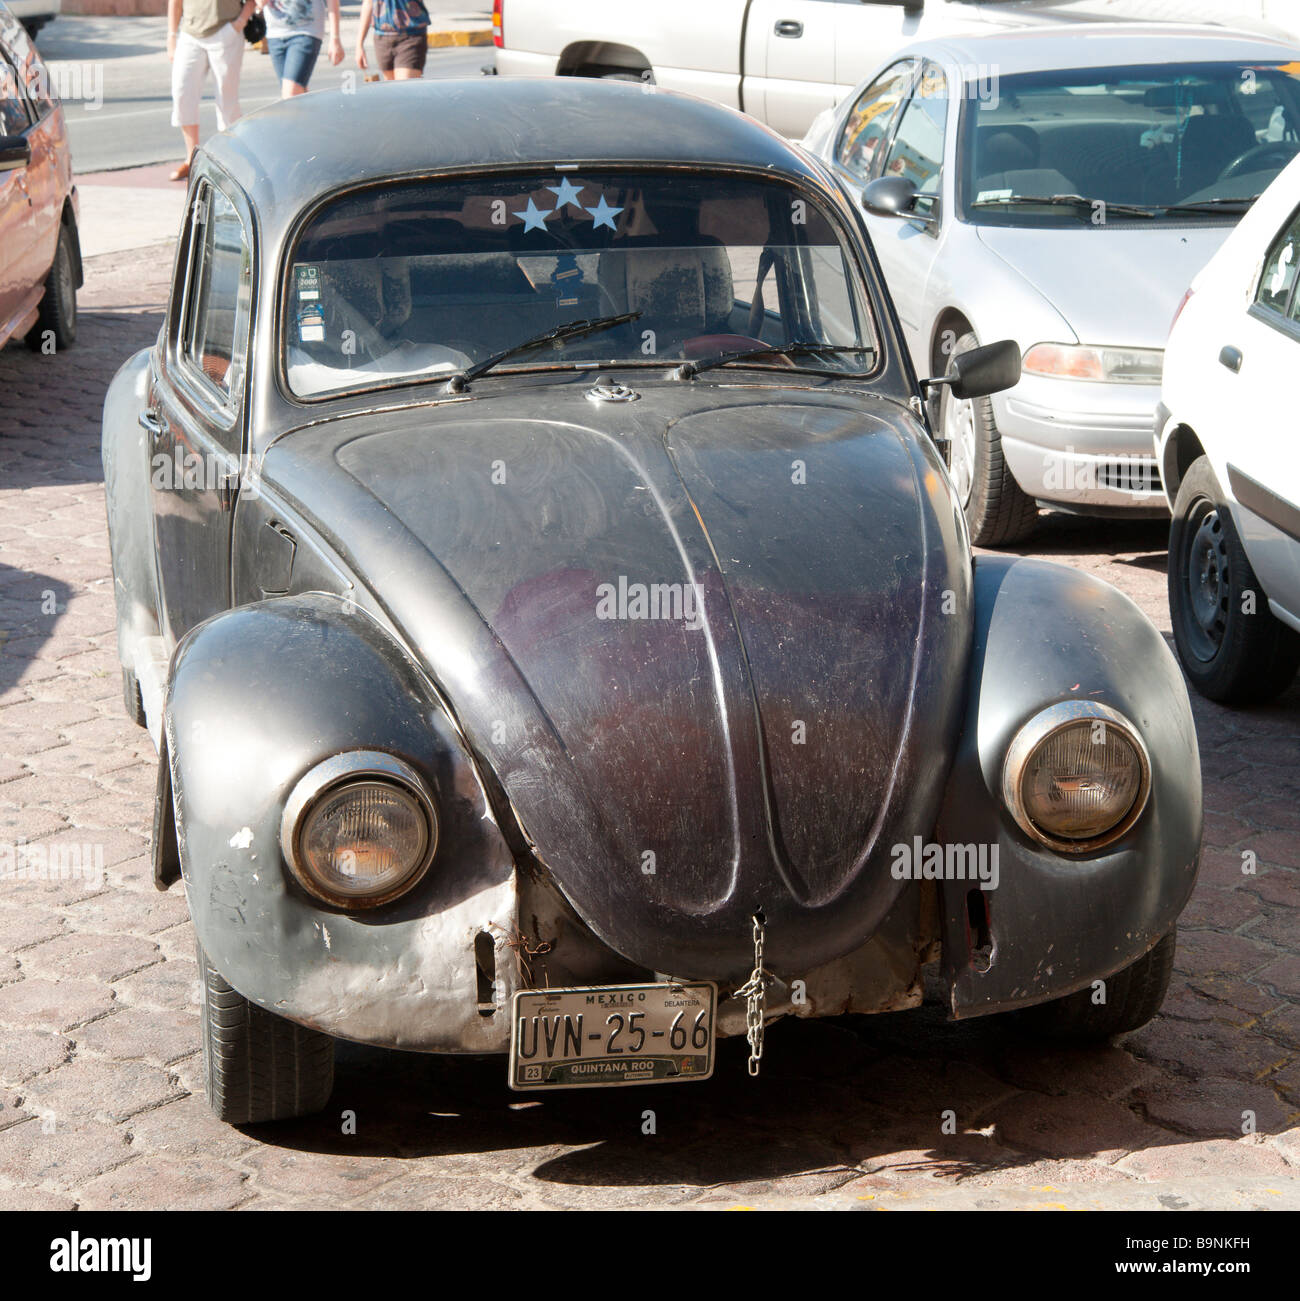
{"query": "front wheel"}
[(997, 510), (259, 1066), (57, 321), (1232, 647), (1123, 1002)]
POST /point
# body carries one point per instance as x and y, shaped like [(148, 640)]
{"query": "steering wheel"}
[(709, 345), (1285, 150)]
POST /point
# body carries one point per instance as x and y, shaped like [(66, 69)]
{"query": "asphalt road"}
[(115, 81)]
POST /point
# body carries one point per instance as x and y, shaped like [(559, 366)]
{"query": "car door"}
[(907, 248), (796, 39), (1255, 353), (17, 215), (196, 414), (49, 172)]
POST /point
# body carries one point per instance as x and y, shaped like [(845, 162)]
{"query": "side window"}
[(1275, 285), (214, 338), (917, 150), (13, 109), (862, 140)]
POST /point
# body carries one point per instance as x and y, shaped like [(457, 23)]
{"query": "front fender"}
[(1045, 633), (256, 697)]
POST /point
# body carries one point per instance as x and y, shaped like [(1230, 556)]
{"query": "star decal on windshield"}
[(565, 193), (534, 218), (603, 215)]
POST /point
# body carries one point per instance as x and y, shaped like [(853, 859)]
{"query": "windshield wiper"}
[(689, 369), (1072, 201), (1215, 205), (569, 330)]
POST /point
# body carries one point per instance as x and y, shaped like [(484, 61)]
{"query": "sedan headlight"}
[(1077, 776), (359, 829), (1106, 365)]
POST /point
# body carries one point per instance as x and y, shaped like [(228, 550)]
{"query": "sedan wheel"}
[(959, 430), (58, 311), (1232, 647), (997, 510)]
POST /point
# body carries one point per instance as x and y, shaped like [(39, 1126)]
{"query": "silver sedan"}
[(1060, 188)]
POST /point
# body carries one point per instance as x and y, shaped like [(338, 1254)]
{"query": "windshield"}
[(425, 279), (1143, 136)]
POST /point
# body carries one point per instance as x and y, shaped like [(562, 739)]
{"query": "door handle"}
[(152, 423), (788, 27), (1230, 357)]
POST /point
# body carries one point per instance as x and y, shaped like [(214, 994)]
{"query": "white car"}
[(1059, 187), (1230, 458)]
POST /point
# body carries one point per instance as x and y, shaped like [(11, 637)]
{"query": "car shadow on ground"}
[(838, 1100)]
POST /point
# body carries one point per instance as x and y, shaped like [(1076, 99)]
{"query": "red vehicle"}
[(40, 254)]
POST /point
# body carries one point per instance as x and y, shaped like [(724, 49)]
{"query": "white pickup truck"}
[(783, 61)]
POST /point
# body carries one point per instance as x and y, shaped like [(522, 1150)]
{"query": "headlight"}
[(1077, 776), (359, 829), (1107, 365)]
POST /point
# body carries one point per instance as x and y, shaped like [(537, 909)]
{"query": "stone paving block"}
[(1215, 1107), (172, 984), (61, 1154), (159, 1036), (114, 911), (86, 955), (1223, 1157), (187, 1128), (27, 1052), (21, 927), (153, 1183), (1061, 1127), (52, 1005), (89, 1087)]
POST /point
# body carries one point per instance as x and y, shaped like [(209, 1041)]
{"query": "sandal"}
[(182, 172)]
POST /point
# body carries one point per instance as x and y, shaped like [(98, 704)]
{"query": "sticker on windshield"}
[(311, 324), (992, 196), (308, 283)]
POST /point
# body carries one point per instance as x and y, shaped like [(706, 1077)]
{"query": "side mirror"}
[(892, 196), (15, 151), (976, 374)]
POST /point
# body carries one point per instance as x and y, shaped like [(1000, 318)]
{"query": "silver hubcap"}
[(959, 430)]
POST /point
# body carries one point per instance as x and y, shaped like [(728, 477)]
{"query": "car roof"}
[(288, 154), (1099, 45)]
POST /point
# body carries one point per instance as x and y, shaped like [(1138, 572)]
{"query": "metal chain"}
[(754, 992)]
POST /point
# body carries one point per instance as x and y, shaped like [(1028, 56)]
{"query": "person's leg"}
[(299, 60), (410, 55), (276, 46), (384, 48), (188, 68), (226, 55)]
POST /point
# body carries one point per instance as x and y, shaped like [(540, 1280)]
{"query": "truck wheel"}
[(58, 310), (259, 1066), (1228, 654), (1133, 997), (997, 510)]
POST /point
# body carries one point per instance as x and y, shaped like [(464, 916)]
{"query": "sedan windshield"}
[(1192, 141), (421, 280)]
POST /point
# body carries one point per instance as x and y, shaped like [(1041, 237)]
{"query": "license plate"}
[(612, 1034)]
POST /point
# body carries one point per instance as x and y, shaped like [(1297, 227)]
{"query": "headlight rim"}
[(1040, 728), (325, 779)]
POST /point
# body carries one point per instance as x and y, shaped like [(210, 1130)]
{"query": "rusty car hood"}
[(712, 646)]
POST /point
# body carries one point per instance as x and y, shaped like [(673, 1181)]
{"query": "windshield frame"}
[(1070, 218), (869, 289)]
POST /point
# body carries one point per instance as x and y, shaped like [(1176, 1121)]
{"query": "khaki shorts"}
[(402, 50)]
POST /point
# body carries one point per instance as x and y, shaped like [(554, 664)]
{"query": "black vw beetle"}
[(558, 629)]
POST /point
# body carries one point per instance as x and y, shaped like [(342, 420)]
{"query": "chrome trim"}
[(1046, 723), (327, 777)]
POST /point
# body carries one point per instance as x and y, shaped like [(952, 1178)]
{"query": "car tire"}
[(997, 510), (1133, 997), (258, 1066), (1229, 655), (58, 310)]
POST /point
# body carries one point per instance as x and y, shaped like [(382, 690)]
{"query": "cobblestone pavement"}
[(100, 1097)]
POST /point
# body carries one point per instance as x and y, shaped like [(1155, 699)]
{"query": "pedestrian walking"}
[(203, 34), (401, 37), (295, 31)]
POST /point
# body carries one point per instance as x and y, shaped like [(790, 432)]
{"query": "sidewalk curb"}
[(444, 40)]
